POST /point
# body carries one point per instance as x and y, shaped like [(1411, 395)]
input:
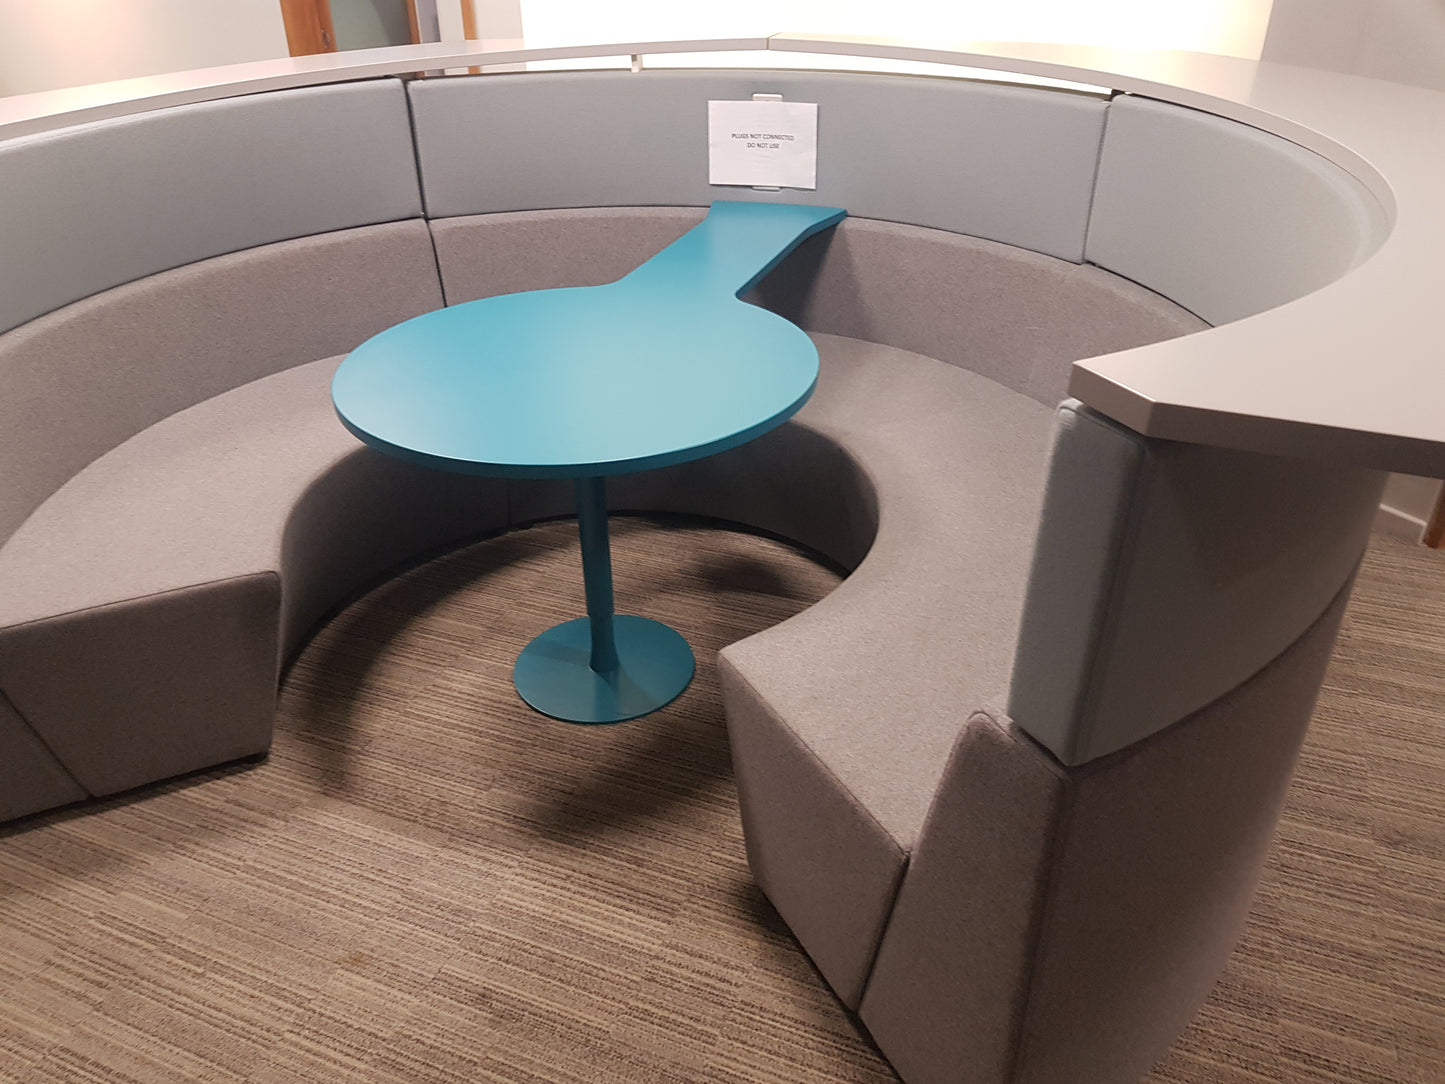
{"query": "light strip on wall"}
[(1230, 27)]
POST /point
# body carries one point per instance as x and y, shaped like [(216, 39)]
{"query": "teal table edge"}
[(605, 667)]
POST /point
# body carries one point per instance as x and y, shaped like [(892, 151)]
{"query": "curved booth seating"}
[(1012, 783)]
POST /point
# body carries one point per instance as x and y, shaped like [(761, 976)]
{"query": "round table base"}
[(553, 674)]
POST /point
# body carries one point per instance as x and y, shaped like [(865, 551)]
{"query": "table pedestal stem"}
[(597, 571), (605, 667)]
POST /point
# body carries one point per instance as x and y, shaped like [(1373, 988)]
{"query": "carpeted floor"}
[(428, 882)]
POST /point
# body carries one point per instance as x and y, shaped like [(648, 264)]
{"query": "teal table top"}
[(662, 366)]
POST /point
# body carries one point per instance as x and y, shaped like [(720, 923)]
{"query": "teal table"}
[(662, 366)]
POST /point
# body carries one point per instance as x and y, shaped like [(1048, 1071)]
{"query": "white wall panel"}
[(46, 44)]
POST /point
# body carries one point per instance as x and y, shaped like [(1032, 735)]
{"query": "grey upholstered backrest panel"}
[(508, 252), (1166, 574), (1012, 164), (79, 381), (1014, 316), (1223, 218), (95, 206)]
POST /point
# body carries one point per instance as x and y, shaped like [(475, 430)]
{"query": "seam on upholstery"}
[(1094, 182), (995, 719), (1044, 908), (415, 146), (1208, 324), (1136, 748), (421, 187), (887, 920), (1124, 550), (39, 737), (1128, 548), (436, 261), (853, 798), (113, 603), (1075, 777), (891, 894), (1062, 803), (1093, 196)]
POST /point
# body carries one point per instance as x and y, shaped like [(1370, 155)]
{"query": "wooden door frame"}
[(308, 27), (1434, 535)]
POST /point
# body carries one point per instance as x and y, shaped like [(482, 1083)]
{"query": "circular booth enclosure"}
[(1107, 381)]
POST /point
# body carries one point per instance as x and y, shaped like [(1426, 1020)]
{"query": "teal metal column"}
[(605, 667), (597, 571)]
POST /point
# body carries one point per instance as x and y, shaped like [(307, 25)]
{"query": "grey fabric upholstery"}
[(947, 993), (826, 864), (98, 205), (30, 776), (841, 718), (364, 516), (1060, 925), (84, 379), (796, 481), (957, 464), (202, 495), (129, 527), (1148, 550), (1013, 164), (1014, 316), (145, 606), (147, 688), (1224, 219), (181, 505), (507, 252)]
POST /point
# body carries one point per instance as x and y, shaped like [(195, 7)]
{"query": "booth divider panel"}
[(102, 204), (1012, 164), (1220, 217), (1203, 565)]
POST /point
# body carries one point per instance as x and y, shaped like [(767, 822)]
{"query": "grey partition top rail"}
[(1349, 373)]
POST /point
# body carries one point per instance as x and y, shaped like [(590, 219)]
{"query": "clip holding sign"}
[(765, 143)]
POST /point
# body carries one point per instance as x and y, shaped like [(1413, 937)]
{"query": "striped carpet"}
[(427, 882)]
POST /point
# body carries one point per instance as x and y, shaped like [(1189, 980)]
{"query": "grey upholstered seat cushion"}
[(258, 483), (203, 495), (83, 379), (841, 719), (931, 615)]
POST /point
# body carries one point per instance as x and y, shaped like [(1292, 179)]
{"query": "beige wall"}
[(55, 43), (45, 44), (1399, 40)]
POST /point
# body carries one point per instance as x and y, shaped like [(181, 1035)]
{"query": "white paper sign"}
[(774, 144)]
